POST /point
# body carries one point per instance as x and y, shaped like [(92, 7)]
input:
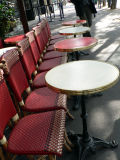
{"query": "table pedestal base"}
[(77, 54), (85, 143), (91, 146)]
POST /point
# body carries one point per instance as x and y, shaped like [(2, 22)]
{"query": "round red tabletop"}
[(75, 44), (74, 22), (14, 39)]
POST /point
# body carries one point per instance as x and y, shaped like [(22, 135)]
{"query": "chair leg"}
[(42, 157), (69, 114), (10, 156), (52, 157), (67, 146), (1, 155), (30, 157), (67, 140)]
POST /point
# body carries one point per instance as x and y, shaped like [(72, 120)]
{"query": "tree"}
[(7, 15)]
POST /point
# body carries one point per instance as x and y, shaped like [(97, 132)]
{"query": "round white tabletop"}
[(82, 77), (4, 50), (74, 30)]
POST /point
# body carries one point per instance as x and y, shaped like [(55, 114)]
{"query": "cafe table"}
[(74, 22), (74, 45), (81, 78), (74, 31)]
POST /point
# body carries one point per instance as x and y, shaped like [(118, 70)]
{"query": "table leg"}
[(78, 53), (85, 143), (76, 102)]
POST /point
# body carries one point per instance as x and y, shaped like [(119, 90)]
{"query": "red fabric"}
[(55, 40), (14, 39), (39, 39), (15, 73), (41, 100), (17, 80), (35, 50), (56, 36), (50, 48), (7, 110), (53, 54), (48, 64), (44, 35), (41, 134), (1, 44), (39, 80), (28, 62), (46, 30), (27, 58)]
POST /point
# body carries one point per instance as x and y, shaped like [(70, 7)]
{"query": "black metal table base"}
[(85, 143), (77, 54), (91, 146)]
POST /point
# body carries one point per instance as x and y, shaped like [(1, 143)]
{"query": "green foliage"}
[(7, 14)]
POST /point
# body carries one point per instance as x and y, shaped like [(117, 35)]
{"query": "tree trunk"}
[(113, 5), (23, 17)]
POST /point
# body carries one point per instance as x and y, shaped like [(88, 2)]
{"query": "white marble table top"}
[(82, 77), (74, 30)]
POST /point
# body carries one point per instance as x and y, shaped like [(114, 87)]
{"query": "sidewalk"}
[(104, 111)]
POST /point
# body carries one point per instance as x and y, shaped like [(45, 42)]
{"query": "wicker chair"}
[(52, 38), (30, 65), (35, 134), (39, 100), (37, 51)]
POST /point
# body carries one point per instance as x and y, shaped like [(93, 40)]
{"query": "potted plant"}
[(7, 16)]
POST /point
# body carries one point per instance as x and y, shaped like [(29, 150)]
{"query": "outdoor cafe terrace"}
[(103, 120)]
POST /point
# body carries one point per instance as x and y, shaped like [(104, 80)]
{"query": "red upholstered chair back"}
[(39, 38), (44, 32), (27, 57), (34, 46), (14, 72), (48, 28), (7, 110)]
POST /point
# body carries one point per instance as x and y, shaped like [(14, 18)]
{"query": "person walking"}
[(84, 10)]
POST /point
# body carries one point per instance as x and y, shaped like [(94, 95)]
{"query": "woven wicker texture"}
[(39, 80), (24, 44), (39, 39), (50, 48), (27, 58), (34, 46), (48, 64), (39, 134), (44, 99), (53, 54), (55, 40), (16, 77), (7, 110), (10, 58), (56, 36)]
